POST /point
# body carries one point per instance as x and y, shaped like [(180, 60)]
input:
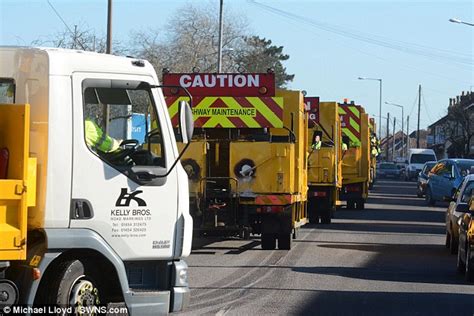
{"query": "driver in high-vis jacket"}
[(97, 139)]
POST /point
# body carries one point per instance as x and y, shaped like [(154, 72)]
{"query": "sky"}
[(331, 43)]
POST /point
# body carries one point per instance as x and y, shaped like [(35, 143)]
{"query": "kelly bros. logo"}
[(125, 198)]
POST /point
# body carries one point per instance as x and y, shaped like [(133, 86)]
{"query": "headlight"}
[(192, 169), (245, 168)]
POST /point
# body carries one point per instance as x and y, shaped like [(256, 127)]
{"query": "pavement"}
[(388, 259)]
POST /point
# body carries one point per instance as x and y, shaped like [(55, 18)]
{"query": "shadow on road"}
[(399, 215), (205, 246), (405, 228), (382, 303)]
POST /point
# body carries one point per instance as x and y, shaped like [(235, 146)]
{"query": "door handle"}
[(81, 209)]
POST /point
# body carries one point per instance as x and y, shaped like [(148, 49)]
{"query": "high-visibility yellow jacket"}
[(97, 139), (316, 145)]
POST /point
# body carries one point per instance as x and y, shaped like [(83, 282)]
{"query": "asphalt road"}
[(389, 259)]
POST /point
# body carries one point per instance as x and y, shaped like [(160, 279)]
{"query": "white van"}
[(416, 159)]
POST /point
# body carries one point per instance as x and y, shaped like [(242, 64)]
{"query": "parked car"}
[(388, 170), (416, 159), (445, 177), (423, 177), (458, 206), (465, 262)]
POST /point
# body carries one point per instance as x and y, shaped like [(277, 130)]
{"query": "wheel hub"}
[(8, 293), (84, 294)]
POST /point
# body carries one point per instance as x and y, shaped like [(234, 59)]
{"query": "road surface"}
[(389, 259)]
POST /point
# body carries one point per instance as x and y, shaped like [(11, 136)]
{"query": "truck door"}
[(115, 191)]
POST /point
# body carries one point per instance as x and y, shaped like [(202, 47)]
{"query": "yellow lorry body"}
[(276, 192), (356, 160), (325, 163), (18, 189)]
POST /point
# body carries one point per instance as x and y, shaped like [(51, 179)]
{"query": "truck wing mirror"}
[(186, 125), (186, 121)]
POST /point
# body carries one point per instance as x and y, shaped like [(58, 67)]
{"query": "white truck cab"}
[(108, 225), (416, 159)]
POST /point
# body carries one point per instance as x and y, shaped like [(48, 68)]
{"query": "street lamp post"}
[(403, 118), (460, 22), (219, 48), (380, 101)]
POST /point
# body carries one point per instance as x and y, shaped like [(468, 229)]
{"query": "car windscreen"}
[(466, 196), (421, 158), (465, 167)]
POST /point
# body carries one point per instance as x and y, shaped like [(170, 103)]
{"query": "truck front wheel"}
[(75, 284)]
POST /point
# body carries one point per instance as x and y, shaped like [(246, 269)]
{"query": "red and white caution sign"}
[(232, 112), (228, 84), (227, 100)]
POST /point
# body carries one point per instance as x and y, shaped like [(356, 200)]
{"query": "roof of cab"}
[(66, 61)]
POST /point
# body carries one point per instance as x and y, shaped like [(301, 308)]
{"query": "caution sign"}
[(311, 105), (350, 122), (221, 84), (231, 112)]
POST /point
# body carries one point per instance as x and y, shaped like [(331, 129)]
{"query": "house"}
[(449, 135)]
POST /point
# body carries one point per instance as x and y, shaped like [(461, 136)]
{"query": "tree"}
[(190, 41), (259, 55), (81, 37)]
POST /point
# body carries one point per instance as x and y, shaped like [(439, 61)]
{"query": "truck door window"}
[(121, 126), (7, 90)]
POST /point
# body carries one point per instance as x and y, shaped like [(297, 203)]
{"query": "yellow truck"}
[(356, 159), (272, 172), (251, 155), (82, 226), (228, 107), (324, 159)]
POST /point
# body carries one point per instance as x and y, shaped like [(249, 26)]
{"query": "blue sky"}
[(330, 43)]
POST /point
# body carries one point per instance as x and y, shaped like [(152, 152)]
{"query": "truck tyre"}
[(284, 241), (8, 293), (460, 266), (326, 216), (447, 242), (295, 233), (454, 245), (350, 204), (313, 216), (245, 233), (75, 283), (360, 204), (268, 241), (469, 265)]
